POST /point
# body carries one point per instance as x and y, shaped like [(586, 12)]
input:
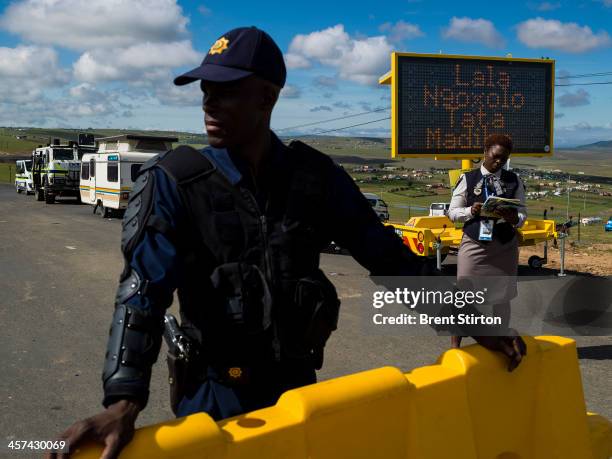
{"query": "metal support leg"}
[(562, 255), (438, 256)]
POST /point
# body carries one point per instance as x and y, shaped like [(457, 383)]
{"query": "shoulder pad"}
[(138, 209), (185, 163), (310, 155), (149, 163), (300, 146)]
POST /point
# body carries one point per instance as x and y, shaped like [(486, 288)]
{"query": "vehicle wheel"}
[(535, 262), (49, 198), (104, 211), (19, 190), (40, 196)]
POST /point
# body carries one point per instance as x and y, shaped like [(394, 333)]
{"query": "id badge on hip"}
[(486, 230)]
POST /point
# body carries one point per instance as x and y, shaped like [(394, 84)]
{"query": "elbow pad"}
[(133, 347)]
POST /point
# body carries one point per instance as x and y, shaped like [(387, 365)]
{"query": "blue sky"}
[(110, 63)]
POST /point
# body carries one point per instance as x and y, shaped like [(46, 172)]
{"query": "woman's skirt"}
[(490, 259)]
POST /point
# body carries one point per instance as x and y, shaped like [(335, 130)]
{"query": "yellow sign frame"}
[(391, 78)]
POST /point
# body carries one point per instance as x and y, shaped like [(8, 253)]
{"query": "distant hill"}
[(584, 153), (602, 144)]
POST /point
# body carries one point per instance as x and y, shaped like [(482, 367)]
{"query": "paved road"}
[(58, 270)]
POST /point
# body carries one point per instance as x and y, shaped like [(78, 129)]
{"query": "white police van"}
[(439, 209), (107, 176), (379, 206), (23, 176)]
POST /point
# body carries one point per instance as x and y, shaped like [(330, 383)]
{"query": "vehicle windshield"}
[(372, 202), (63, 154), (28, 165), (437, 206)]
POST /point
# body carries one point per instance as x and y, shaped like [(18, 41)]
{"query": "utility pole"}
[(568, 198)]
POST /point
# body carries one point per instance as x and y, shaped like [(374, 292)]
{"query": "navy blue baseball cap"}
[(237, 54)]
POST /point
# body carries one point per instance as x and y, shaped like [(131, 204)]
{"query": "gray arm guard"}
[(133, 346)]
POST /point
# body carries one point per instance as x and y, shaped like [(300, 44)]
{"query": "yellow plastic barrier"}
[(465, 406)]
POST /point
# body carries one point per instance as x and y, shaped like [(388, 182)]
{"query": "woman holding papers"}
[(489, 246)]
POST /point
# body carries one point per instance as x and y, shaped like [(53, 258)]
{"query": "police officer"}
[(237, 229)]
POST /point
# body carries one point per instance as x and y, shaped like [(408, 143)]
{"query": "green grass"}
[(4, 172), (9, 144)]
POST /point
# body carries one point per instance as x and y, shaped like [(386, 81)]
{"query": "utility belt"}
[(296, 334)]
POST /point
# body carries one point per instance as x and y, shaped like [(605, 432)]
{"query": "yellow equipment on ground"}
[(425, 235), (466, 406)]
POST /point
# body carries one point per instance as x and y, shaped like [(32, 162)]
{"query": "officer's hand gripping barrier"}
[(465, 406)]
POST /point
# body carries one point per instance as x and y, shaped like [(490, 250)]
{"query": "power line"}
[(333, 119), (584, 75), (585, 84), (387, 108), (346, 127)]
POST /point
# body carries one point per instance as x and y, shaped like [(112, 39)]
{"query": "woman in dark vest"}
[(489, 246)]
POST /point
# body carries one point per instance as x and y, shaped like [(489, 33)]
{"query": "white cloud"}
[(401, 30), (323, 81), (563, 77), (569, 36), (204, 11), (290, 92), (545, 6), (471, 30), (88, 24), (26, 70), (85, 92), (361, 60), (189, 95), (30, 62), (341, 104), (574, 99), (295, 61), (142, 62), (582, 133)]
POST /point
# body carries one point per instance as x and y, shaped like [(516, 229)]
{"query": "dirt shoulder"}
[(594, 259)]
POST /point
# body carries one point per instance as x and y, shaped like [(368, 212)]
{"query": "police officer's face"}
[(495, 157), (234, 112)]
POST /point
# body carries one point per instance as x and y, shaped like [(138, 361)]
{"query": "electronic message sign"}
[(446, 106)]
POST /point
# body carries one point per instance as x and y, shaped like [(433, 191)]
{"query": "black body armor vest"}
[(252, 290), (504, 231)]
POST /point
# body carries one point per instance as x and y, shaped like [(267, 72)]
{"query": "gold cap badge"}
[(219, 46), (235, 372)]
